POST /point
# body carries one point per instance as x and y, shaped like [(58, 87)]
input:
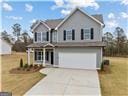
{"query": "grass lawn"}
[(18, 84), (116, 82)]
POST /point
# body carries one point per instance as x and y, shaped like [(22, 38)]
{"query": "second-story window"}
[(38, 34), (54, 36), (68, 34), (44, 36), (87, 34)]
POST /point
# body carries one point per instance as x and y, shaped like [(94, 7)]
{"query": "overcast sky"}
[(25, 12)]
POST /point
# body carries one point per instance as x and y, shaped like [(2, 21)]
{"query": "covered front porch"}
[(41, 55)]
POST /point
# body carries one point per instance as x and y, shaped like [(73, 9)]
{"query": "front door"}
[(52, 58)]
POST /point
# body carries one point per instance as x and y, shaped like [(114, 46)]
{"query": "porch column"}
[(43, 56), (28, 51)]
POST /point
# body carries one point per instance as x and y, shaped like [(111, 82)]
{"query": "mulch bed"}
[(25, 70)]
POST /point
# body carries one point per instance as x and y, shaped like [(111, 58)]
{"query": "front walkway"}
[(67, 82)]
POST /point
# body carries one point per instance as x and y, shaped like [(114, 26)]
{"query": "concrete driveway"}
[(61, 81)]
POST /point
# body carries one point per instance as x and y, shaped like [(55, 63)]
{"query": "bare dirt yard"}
[(18, 84), (115, 83)]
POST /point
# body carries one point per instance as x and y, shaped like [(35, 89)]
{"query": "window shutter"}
[(82, 34), (64, 35), (47, 34), (92, 33), (35, 36), (73, 34), (35, 55)]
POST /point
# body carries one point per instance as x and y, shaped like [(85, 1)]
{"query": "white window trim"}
[(85, 32), (41, 55), (45, 37), (37, 38), (67, 35), (41, 37), (54, 36)]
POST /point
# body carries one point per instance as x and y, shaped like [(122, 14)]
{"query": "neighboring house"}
[(5, 47), (72, 42)]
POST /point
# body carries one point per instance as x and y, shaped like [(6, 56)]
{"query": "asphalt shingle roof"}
[(68, 44), (52, 23)]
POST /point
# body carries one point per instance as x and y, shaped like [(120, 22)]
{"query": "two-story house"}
[(72, 42)]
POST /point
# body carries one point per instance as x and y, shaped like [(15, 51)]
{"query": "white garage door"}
[(77, 60)]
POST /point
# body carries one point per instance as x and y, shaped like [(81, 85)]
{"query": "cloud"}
[(14, 17), (124, 15), (111, 16), (68, 5), (65, 12), (112, 23), (124, 2), (33, 21), (7, 7), (58, 4), (28, 7)]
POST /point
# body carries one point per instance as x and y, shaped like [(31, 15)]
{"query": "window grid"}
[(44, 36), (39, 55), (41, 37), (54, 38), (68, 34), (87, 34), (38, 36)]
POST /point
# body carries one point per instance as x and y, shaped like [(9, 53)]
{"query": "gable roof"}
[(98, 21), (37, 24), (55, 23), (98, 17)]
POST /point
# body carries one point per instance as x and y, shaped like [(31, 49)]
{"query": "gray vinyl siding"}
[(41, 28), (79, 21), (96, 50)]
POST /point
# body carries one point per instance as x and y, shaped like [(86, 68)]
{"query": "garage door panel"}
[(77, 60)]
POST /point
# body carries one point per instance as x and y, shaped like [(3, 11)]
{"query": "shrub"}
[(21, 62), (35, 66), (41, 66), (26, 66), (31, 65), (104, 62)]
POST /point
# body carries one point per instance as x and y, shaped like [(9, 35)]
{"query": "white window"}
[(38, 36), (44, 36), (87, 34), (39, 55), (68, 34), (54, 36)]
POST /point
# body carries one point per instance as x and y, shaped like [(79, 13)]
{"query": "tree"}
[(7, 37), (108, 39), (120, 39), (25, 37), (16, 30)]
